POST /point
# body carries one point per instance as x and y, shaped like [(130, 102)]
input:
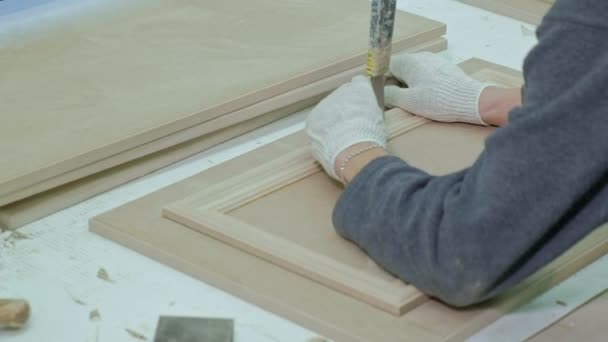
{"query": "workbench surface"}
[(83, 287)]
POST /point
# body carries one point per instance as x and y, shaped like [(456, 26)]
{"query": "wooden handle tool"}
[(13, 313), (380, 43)]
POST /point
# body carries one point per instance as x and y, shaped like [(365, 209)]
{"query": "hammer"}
[(13, 313), (380, 43)]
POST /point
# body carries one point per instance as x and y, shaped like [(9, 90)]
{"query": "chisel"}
[(380, 42)]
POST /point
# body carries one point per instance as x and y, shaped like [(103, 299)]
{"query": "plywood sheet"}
[(148, 69), (530, 11), (139, 226), (30, 209), (195, 140)]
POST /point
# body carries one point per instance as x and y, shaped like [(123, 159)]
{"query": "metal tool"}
[(380, 43)]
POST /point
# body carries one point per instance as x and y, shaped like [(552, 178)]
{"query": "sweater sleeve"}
[(539, 186)]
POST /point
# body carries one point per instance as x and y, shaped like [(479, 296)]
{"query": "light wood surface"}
[(17, 214), (140, 226), (148, 69), (586, 324), (530, 11), (32, 208)]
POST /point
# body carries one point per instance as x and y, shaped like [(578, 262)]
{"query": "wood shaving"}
[(14, 236), (103, 274), (74, 299), (94, 315), (136, 334), (79, 302), (17, 235)]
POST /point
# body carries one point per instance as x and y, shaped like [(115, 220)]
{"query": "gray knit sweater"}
[(540, 185)]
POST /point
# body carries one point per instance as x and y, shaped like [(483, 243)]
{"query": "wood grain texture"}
[(194, 140), (146, 70), (530, 11), (139, 226), (17, 214)]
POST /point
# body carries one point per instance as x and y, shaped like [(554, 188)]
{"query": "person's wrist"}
[(495, 104), (351, 160)]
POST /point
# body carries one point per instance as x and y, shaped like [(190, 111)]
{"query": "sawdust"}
[(74, 298), (526, 32), (79, 302), (17, 235), (103, 275), (13, 237), (136, 334), (317, 339), (94, 315)]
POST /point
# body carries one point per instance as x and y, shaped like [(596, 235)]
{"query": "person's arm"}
[(540, 185), (494, 106)]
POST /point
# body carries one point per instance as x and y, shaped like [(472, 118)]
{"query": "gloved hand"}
[(437, 89), (350, 115)]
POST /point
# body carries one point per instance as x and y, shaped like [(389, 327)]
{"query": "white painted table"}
[(56, 266)]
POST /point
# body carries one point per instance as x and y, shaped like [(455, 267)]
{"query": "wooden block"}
[(339, 316), (145, 70), (194, 140), (14, 313), (530, 11)]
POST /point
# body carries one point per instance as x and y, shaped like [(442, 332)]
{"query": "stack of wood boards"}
[(530, 11), (212, 225), (88, 103)]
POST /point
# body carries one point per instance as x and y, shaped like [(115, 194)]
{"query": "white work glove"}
[(437, 89), (350, 115)]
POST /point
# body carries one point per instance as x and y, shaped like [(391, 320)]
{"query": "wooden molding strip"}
[(393, 297), (208, 213)]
